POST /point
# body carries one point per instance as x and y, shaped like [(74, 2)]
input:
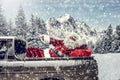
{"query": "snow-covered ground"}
[(109, 66)]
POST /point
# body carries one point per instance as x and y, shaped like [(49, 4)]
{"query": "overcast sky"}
[(96, 13)]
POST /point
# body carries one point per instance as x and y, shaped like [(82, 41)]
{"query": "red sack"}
[(81, 53), (34, 52)]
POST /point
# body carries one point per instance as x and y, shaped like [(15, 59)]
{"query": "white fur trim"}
[(46, 53), (81, 42), (46, 39)]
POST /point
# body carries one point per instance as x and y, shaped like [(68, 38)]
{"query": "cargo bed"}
[(80, 68)]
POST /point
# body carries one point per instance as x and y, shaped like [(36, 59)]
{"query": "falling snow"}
[(90, 19)]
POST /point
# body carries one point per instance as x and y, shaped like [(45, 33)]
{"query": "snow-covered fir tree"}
[(33, 27), (118, 31), (109, 41), (3, 23), (41, 26), (103, 45), (20, 23), (115, 46), (10, 25), (34, 40)]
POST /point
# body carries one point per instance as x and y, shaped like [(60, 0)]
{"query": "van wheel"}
[(50, 78)]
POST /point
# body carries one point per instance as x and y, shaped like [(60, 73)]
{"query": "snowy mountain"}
[(85, 29), (66, 24), (65, 18)]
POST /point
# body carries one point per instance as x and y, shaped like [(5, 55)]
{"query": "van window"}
[(20, 46)]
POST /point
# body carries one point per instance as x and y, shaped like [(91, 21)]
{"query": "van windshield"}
[(5, 47)]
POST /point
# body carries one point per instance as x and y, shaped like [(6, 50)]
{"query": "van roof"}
[(7, 37), (12, 37)]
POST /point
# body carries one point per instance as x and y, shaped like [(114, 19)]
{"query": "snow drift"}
[(108, 66)]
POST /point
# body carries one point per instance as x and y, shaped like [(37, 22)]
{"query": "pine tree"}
[(115, 47), (104, 44), (10, 24), (33, 25), (9, 32), (118, 30), (20, 22), (41, 27), (3, 23), (109, 31), (108, 39)]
